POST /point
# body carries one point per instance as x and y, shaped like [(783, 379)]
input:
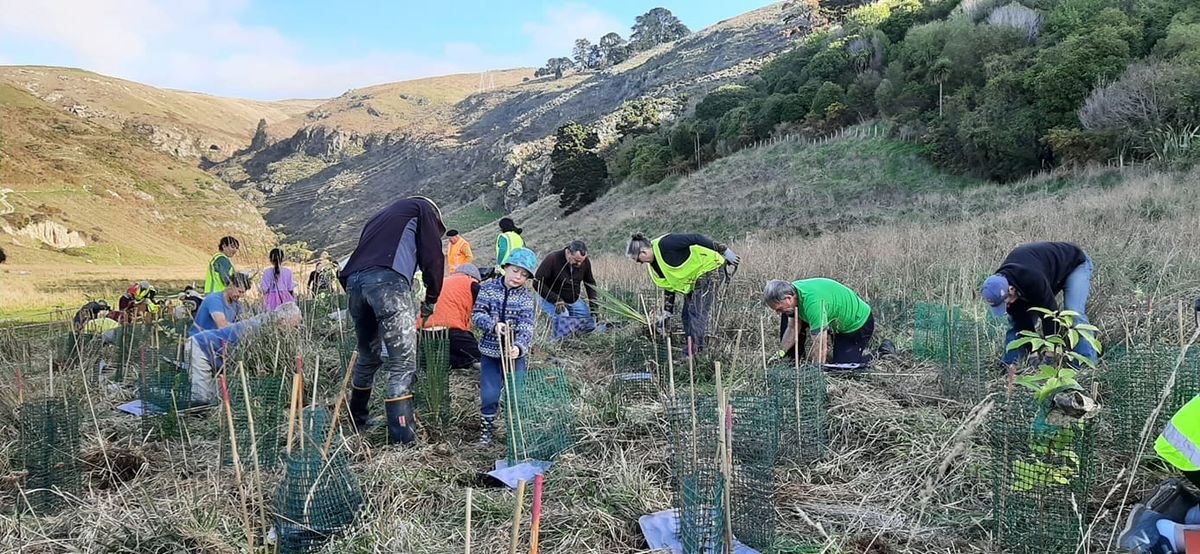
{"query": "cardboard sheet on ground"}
[(661, 532), (137, 408), (526, 471)]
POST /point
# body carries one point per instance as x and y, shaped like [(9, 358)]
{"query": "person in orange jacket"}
[(459, 252), (453, 311)]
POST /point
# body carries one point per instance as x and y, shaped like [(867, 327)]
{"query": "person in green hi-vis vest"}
[(507, 241), (838, 321), (1179, 443), (220, 267), (687, 264)]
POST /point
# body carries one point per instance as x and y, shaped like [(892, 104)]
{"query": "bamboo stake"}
[(237, 463), (516, 528), (510, 395), (20, 386), (467, 531), (737, 350), (537, 514), (670, 365), (341, 399), (253, 434), (300, 398), (296, 381), (692, 381), (762, 335), (725, 454), (796, 352), (316, 379)]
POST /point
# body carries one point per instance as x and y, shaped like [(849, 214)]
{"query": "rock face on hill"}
[(327, 171)]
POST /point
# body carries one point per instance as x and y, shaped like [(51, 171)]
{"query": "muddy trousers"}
[(385, 315)]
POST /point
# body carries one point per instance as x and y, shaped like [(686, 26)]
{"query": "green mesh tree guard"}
[(805, 438), (318, 496), (967, 346), (697, 485), (1041, 479), (165, 390), (49, 453), (1133, 381), (431, 390), (636, 368), (755, 450), (541, 421), (128, 340), (892, 312), (269, 402)]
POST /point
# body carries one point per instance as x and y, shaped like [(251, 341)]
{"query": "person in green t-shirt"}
[(839, 322)]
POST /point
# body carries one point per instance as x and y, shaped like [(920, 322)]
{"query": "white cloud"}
[(201, 45), (555, 36)]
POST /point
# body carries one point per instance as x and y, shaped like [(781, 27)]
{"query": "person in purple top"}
[(277, 285)]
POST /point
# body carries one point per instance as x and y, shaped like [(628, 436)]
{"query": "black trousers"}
[(848, 348), (464, 349)]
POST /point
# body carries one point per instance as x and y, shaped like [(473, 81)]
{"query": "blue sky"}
[(271, 49)]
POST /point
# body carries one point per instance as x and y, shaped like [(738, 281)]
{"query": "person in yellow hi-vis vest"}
[(507, 241), (220, 267), (686, 264), (1179, 443)]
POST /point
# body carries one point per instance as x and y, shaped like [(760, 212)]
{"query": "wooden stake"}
[(253, 434), (516, 528), (725, 454), (762, 335), (341, 399), (536, 527), (20, 387), (467, 530), (796, 351), (296, 384), (670, 365), (237, 463), (692, 381)]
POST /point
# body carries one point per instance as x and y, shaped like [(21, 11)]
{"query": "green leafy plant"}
[(1060, 349), (1051, 461)]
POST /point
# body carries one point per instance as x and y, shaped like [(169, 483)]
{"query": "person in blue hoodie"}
[(206, 350), (505, 306)]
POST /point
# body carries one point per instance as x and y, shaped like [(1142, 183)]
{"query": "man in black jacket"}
[(562, 278), (1031, 277), (378, 278)]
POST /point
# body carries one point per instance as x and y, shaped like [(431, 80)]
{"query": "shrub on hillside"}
[(1013, 14), (725, 98)]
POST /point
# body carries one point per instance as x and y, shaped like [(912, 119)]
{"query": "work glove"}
[(778, 356), (731, 257), (426, 309), (560, 308)]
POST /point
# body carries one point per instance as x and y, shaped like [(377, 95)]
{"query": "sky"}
[(276, 49)]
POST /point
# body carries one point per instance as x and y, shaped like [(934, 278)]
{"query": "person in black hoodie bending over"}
[(378, 278), (1031, 277)]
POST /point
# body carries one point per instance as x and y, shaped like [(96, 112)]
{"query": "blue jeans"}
[(579, 308), (384, 314), (1075, 294), (491, 383)]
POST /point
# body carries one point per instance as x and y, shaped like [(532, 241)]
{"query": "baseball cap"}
[(995, 292), (470, 270)]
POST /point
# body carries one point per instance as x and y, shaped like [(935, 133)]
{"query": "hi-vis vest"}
[(681, 279), (1179, 443), (458, 255), (514, 242), (212, 279)]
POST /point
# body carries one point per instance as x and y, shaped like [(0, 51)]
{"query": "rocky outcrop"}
[(50, 233), (175, 141)]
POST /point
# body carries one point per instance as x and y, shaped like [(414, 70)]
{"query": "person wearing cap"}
[(453, 312), (219, 310), (684, 264), (1031, 277), (138, 299), (379, 278), (505, 308), (839, 322), (459, 251), (507, 241), (206, 351)]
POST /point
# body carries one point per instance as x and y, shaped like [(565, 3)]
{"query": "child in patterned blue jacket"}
[(505, 305)]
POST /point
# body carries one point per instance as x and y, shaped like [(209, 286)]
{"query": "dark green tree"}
[(656, 27), (579, 174), (614, 49)]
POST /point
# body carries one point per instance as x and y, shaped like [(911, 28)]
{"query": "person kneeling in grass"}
[(207, 349), (839, 322), (504, 309)]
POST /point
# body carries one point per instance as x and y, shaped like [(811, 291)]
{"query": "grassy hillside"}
[(907, 469), (114, 207), (186, 121), (420, 106)]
